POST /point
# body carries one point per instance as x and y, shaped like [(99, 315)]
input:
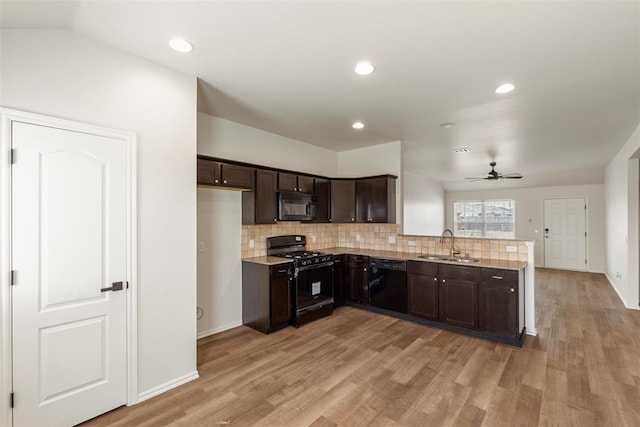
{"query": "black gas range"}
[(312, 290)]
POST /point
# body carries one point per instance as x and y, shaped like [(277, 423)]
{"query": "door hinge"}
[(585, 207), (585, 234), (12, 400), (12, 156), (585, 261), (12, 277)]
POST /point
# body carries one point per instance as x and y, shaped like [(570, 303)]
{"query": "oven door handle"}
[(311, 266)]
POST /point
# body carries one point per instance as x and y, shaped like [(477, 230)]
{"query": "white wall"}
[(219, 272), (424, 200), (234, 141), (621, 188), (530, 215), (65, 75), (379, 159), (220, 211)]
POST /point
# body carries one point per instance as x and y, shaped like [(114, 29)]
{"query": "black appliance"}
[(295, 206), (312, 289), (388, 284)]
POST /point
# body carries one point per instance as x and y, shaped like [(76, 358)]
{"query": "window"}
[(485, 218)]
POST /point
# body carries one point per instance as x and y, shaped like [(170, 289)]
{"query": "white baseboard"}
[(219, 329), (167, 386), (630, 307), (533, 333)]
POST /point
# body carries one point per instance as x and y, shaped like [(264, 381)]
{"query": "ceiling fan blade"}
[(476, 179), (512, 175)]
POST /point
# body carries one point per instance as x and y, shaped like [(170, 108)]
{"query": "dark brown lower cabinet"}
[(422, 278), (458, 295), (358, 278), (498, 303), (266, 296), (338, 280)]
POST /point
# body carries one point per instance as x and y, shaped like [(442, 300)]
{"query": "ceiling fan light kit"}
[(493, 175)]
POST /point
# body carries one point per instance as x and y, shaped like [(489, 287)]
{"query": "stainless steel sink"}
[(434, 257), (465, 260)]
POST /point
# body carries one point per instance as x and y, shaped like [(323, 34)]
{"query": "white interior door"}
[(68, 242), (565, 233)]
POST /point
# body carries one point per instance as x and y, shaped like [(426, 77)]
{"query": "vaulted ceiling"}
[(287, 68)]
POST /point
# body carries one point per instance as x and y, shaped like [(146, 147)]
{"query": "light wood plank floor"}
[(364, 369)]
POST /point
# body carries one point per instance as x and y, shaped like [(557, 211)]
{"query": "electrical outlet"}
[(392, 239), (201, 247), (357, 237), (252, 244), (618, 275), (313, 239), (411, 243), (512, 249)]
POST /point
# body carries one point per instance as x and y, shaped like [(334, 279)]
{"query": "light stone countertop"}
[(401, 256)]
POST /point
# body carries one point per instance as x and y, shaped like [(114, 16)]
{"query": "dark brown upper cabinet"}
[(220, 174), (291, 182), (323, 202), (343, 200), (376, 200), (260, 206)]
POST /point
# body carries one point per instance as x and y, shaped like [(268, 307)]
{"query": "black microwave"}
[(294, 206)]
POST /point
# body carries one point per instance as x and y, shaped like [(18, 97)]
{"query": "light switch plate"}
[(512, 249), (411, 243), (201, 247), (392, 239), (357, 237), (252, 244)]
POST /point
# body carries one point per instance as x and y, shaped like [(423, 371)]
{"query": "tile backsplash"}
[(378, 237)]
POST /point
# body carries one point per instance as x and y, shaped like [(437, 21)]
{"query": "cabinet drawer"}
[(459, 273), (421, 267), (358, 260), (500, 278), (279, 271)]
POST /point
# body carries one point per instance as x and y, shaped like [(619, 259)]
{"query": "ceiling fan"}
[(496, 176)]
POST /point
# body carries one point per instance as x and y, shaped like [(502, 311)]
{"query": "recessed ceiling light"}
[(181, 45), (505, 88), (461, 150), (357, 125), (363, 68), (448, 125)]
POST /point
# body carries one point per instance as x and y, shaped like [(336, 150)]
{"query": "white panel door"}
[(564, 234), (68, 242)]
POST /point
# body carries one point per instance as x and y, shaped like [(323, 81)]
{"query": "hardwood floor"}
[(364, 369)]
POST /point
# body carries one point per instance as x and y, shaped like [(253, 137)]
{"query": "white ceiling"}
[(287, 68)]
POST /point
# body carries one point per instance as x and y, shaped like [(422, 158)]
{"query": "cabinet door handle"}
[(216, 181), (364, 269), (224, 182), (444, 281), (275, 220), (512, 290), (295, 189), (352, 219), (435, 279), (498, 277), (282, 271)]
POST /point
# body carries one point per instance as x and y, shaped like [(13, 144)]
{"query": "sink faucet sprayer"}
[(451, 242)]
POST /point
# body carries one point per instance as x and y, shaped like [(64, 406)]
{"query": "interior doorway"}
[(71, 261), (565, 233)]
